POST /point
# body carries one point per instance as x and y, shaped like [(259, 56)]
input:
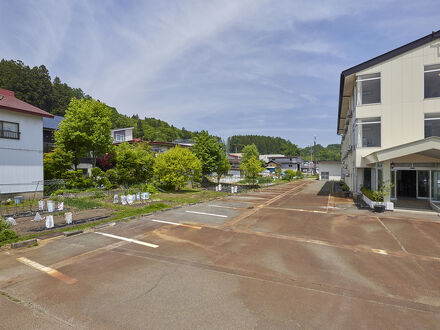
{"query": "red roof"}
[(10, 102)]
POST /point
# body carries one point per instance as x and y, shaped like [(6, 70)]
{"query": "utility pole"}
[(314, 155), (311, 160)]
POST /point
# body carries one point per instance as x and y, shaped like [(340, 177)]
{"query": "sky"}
[(230, 67)]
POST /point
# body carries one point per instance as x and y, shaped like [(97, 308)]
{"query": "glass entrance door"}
[(436, 185), (422, 184)]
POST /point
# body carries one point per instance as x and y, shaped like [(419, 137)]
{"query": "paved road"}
[(285, 257)]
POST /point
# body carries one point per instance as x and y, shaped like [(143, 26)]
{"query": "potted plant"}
[(378, 196)]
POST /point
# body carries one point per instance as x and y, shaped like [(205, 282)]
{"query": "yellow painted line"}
[(48, 270)]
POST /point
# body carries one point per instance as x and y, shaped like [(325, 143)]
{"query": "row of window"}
[(368, 85), (369, 130), (9, 130)]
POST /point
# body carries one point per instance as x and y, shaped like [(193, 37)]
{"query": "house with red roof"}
[(21, 147)]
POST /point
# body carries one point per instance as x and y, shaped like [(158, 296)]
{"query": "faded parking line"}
[(211, 214), (128, 239), (175, 223), (48, 270)]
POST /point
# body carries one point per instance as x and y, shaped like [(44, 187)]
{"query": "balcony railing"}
[(9, 134)]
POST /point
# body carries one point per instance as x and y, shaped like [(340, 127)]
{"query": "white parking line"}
[(49, 271), (128, 239), (175, 223), (214, 215)]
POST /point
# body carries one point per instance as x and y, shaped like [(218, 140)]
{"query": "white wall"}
[(21, 161), (333, 168)]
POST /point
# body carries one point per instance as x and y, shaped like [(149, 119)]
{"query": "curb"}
[(71, 233), (26, 243)]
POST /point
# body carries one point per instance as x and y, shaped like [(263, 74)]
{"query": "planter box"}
[(389, 206)]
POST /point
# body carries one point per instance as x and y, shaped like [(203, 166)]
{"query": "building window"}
[(369, 132), (9, 130), (432, 124), (120, 136), (368, 88), (432, 81)]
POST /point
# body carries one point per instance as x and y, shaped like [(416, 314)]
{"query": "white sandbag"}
[(68, 218), (60, 206), (41, 205), (11, 221), (37, 217), (50, 206), (49, 221), (124, 200), (219, 187), (138, 196), (130, 199), (115, 199)]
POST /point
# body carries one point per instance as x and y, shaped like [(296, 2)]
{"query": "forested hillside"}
[(35, 86), (277, 145), (265, 144)]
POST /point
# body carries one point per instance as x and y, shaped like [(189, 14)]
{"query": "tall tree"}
[(209, 151), (85, 131), (250, 151)]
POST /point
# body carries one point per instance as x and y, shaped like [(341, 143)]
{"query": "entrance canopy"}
[(429, 147)]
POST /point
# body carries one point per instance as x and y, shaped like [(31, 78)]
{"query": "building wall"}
[(403, 105), (333, 168), (401, 110), (21, 161)]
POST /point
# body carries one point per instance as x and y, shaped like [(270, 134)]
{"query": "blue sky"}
[(232, 67)]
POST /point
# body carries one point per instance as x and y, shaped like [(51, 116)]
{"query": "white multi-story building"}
[(21, 147), (389, 120)]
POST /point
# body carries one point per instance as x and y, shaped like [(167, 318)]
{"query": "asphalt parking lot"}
[(284, 257)]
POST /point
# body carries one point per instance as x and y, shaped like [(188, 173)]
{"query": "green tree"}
[(278, 172), (55, 163), (251, 168), (134, 163), (85, 131), (223, 167), (177, 167), (209, 151), (289, 174), (249, 151)]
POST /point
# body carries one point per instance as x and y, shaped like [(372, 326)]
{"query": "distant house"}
[(330, 170), (265, 158), (21, 147), (50, 125), (160, 147), (122, 134), (234, 163), (284, 162)]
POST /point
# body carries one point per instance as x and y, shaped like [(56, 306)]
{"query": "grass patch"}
[(189, 196), (130, 212), (82, 203), (7, 295)]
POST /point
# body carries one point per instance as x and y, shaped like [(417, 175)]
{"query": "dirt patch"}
[(25, 225)]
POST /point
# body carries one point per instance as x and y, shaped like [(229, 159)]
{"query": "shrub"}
[(134, 163), (76, 179), (177, 167), (5, 232), (100, 179), (289, 174)]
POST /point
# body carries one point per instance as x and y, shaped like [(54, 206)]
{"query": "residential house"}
[(389, 121), (50, 125), (122, 134), (21, 147), (234, 162), (284, 162)]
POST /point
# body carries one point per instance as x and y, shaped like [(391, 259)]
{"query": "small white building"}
[(330, 170), (21, 147), (122, 134)]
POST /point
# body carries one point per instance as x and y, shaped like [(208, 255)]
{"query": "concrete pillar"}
[(386, 177)]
